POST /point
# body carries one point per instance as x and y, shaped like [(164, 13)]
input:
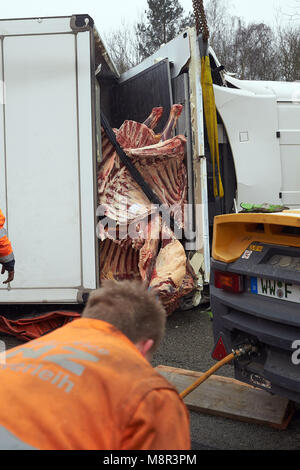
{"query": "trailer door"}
[(46, 158)]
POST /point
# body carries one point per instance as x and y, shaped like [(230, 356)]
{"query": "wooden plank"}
[(229, 398)]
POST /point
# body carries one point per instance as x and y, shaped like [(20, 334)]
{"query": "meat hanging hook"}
[(201, 21)]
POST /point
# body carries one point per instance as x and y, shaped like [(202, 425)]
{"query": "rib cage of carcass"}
[(136, 242)]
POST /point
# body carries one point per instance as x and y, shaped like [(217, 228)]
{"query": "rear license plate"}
[(275, 289)]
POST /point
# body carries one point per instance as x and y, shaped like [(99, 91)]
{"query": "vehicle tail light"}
[(229, 281)]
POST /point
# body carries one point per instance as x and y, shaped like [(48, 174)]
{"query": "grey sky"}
[(110, 13)]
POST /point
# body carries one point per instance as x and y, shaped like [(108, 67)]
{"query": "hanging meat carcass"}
[(136, 242)]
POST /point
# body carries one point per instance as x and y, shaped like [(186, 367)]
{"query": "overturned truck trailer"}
[(64, 186), (234, 141), (108, 176)]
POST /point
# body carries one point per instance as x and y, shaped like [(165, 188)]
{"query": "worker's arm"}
[(160, 422)]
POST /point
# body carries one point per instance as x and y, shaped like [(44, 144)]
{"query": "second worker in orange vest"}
[(89, 384), (7, 258)]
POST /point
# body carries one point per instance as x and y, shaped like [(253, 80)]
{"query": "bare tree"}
[(218, 18), (249, 50), (221, 28), (254, 52), (123, 46), (288, 38)]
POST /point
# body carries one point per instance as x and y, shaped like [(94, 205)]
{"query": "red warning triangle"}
[(219, 350)]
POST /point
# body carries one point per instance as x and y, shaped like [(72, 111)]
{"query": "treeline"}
[(254, 51)]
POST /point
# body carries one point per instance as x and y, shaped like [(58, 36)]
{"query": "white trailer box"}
[(57, 78), (48, 157)]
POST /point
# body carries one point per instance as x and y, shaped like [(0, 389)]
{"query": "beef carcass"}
[(138, 243)]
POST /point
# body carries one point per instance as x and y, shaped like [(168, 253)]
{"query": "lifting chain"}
[(201, 22)]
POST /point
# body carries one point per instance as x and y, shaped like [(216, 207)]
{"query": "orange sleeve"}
[(6, 251), (161, 422), (2, 219), (5, 248)]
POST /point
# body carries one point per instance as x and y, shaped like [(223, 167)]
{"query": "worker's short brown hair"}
[(131, 307)]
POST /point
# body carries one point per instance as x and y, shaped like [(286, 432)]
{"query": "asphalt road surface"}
[(187, 345)]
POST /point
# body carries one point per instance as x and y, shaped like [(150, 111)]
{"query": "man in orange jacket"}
[(89, 385), (7, 258)]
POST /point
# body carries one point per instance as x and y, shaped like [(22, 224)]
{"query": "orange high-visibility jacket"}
[(6, 251), (86, 386)]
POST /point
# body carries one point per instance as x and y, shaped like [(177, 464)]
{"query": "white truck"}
[(57, 76)]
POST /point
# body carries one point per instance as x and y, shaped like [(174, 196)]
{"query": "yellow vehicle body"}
[(233, 233)]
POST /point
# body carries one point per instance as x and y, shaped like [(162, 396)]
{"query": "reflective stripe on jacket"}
[(86, 386), (6, 251), (11, 442)]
